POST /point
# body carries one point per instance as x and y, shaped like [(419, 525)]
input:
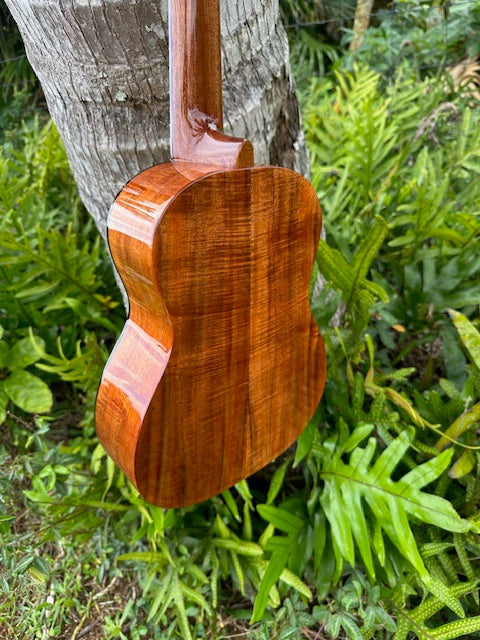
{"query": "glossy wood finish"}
[(220, 365), (196, 118)]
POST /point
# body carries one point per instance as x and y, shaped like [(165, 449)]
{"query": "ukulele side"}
[(141, 354)]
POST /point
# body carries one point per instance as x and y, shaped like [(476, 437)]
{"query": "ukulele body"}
[(220, 365)]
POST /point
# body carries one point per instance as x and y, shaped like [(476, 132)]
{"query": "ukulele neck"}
[(196, 116)]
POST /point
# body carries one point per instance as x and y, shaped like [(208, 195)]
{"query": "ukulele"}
[(220, 365)]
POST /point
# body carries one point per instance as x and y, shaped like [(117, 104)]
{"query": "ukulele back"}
[(220, 365)]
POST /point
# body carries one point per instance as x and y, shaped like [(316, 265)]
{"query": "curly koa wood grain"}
[(220, 365)]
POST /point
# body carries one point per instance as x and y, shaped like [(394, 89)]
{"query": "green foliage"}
[(282, 548), (54, 272), (393, 503), (404, 153), (51, 270), (414, 620), (377, 150), (311, 55), (421, 36), (18, 86), (18, 385), (358, 505), (426, 35), (357, 610), (358, 294), (469, 336), (298, 12)]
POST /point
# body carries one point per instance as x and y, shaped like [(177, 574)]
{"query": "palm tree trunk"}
[(103, 67)]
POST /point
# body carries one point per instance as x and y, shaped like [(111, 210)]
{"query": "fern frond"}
[(460, 548), (53, 270), (415, 620), (457, 628), (351, 485), (83, 369), (180, 608), (358, 293)]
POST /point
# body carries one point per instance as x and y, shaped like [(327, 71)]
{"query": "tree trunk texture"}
[(361, 23), (103, 66)]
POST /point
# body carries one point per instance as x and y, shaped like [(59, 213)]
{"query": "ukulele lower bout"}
[(221, 365)]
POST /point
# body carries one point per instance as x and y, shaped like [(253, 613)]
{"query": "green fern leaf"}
[(272, 573), (415, 620), (282, 548), (427, 472), (457, 628), (358, 522), (239, 571), (358, 293), (349, 485), (276, 482), (339, 514), (214, 561), (195, 596), (179, 601), (281, 518), (442, 592), (159, 600), (467, 566), (468, 334), (369, 248), (433, 548)]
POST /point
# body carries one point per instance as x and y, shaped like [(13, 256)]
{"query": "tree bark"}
[(361, 23), (103, 67)]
